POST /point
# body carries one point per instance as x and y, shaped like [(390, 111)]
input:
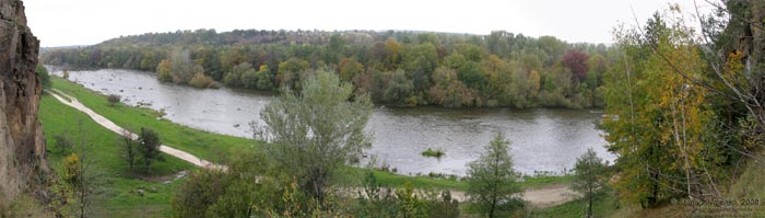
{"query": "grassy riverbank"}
[(120, 198), (216, 147), (118, 192)]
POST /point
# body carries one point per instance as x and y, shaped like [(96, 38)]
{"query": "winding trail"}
[(108, 124), (546, 196)]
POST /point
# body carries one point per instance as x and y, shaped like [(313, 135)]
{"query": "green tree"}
[(265, 78), (399, 88), (43, 75), (410, 205), (290, 72), (149, 142), (590, 177), (493, 187), (234, 77), (130, 151), (314, 133), (349, 68)]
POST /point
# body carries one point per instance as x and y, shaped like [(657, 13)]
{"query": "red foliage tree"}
[(577, 62)]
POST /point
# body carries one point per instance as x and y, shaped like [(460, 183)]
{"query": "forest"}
[(398, 68)]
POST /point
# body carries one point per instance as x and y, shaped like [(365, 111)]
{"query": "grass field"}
[(118, 190)]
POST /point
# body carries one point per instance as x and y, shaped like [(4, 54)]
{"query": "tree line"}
[(501, 69)]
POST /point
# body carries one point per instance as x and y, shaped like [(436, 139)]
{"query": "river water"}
[(543, 140)]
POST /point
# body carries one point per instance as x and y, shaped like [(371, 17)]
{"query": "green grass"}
[(432, 153), (749, 186), (604, 206), (118, 197), (206, 145)]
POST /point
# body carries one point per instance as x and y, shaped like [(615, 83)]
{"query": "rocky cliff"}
[(22, 148)]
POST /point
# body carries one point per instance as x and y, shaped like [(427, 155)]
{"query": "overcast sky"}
[(85, 22)]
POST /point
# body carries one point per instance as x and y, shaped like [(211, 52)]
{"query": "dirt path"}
[(108, 124), (547, 196)]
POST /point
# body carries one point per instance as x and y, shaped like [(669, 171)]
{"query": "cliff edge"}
[(22, 146)]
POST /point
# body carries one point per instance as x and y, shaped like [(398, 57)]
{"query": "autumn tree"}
[(576, 61), (448, 90), (164, 71), (349, 68), (657, 115)]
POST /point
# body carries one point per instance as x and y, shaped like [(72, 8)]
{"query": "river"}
[(543, 140)]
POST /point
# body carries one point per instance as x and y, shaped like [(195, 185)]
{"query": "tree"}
[(576, 61), (130, 151), (314, 133), (164, 71), (409, 204), (234, 77), (449, 91), (657, 115), (290, 72), (399, 88), (589, 177), (265, 79), (493, 188), (200, 80), (148, 148), (43, 75), (349, 68), (63, 143)]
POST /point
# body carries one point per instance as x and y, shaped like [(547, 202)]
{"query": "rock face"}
[(22, 148)]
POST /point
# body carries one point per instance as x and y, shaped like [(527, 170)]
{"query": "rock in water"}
[(22, 146)]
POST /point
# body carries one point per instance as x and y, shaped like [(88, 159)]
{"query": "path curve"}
[(546, 196), (108, 124)]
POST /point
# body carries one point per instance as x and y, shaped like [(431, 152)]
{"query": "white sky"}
[(85, 22)]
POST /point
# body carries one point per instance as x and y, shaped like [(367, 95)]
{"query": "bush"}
[(43, 76), (63, 144), (113, 99), (148, 148), (201, 81), (433, 153), (200, 191)]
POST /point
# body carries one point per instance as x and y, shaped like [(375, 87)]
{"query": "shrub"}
[(433, 153), (201, 81), (63, 143), (113, 99)]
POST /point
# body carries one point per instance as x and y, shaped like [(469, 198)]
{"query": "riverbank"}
[(538, 185), (215, 147), (547, 140)]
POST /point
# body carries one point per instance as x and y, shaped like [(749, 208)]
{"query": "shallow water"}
[(547, 140)]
